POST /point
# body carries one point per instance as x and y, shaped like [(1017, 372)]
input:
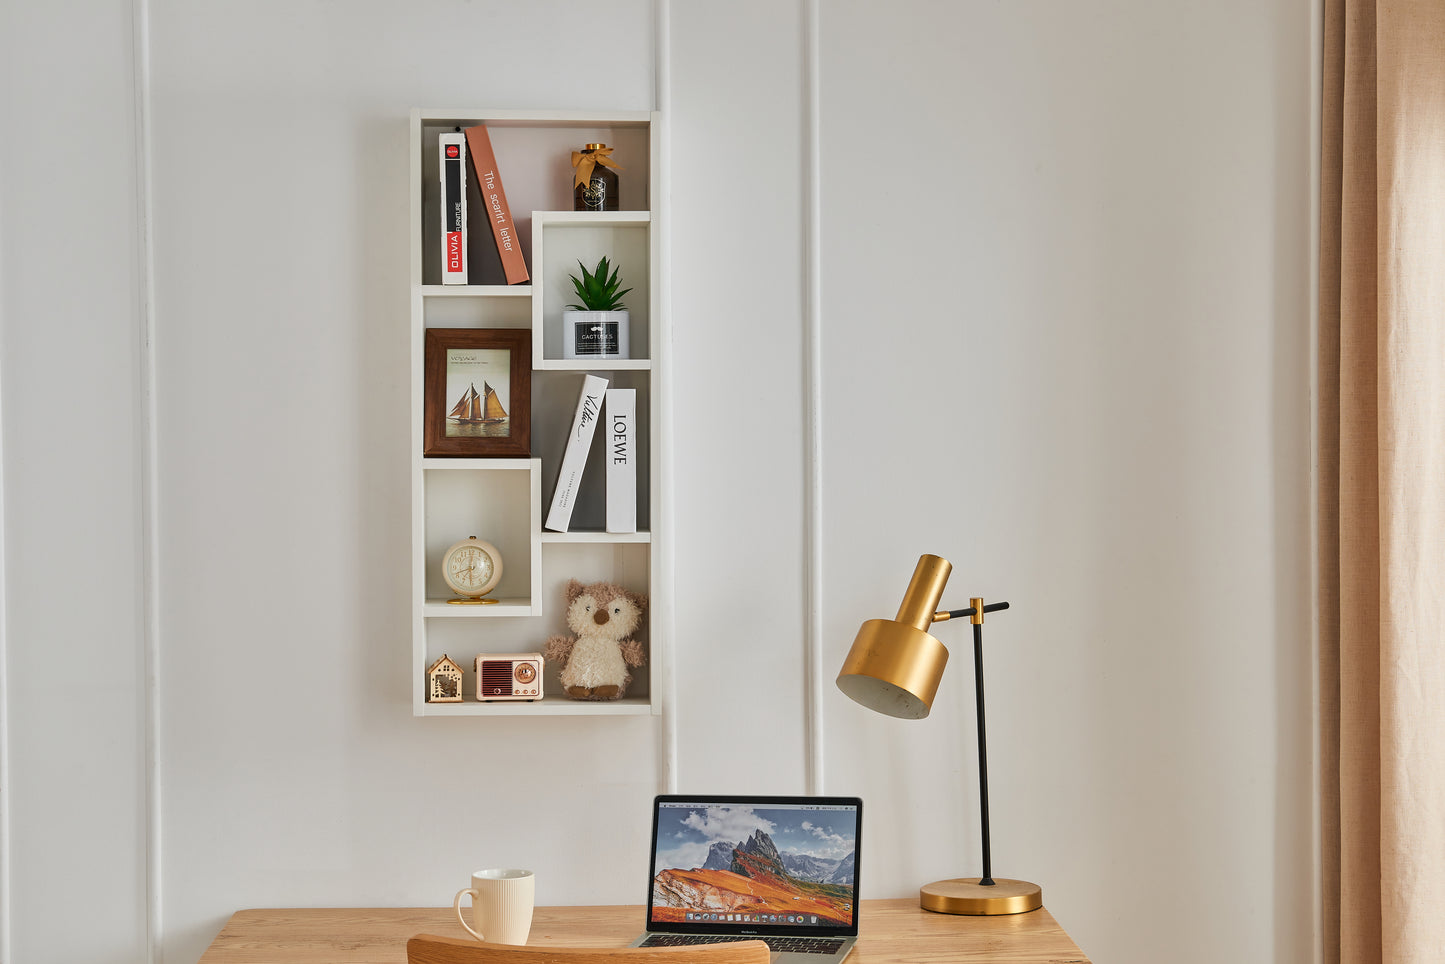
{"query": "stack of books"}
[(455, 147), (621, 455)]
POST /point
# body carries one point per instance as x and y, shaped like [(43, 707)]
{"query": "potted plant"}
[(597, 328)]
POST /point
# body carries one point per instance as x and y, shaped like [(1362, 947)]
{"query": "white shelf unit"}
[(503, 500)]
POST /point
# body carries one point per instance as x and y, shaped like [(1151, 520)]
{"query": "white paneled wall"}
[(302, 773), (70, 341), (1066, 291), (737, 308), (1065, 344)]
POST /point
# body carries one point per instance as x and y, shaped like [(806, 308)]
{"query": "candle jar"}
[(595, 334), (599, 193)]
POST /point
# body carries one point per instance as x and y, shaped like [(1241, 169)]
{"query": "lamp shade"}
[(895, 666)]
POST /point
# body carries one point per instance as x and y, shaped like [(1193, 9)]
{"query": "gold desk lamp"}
[(894, 668)]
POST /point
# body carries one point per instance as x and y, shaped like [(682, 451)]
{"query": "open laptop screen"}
[(755, 864)]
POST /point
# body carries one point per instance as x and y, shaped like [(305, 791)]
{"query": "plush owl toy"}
[(595, 662)]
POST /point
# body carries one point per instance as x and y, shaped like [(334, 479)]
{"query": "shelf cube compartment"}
[(554, 402), (478, 311), (497, 505), (463, 639), (534, 160), (561, 240), (627, 565)]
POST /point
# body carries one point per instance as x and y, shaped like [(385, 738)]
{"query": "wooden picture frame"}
[(491, 420)]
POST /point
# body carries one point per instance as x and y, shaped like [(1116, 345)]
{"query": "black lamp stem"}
[(987, 879)]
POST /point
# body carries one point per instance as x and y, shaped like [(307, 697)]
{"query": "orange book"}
[(494, 199)]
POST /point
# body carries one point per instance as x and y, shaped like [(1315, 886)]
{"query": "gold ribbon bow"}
[(586, 161)]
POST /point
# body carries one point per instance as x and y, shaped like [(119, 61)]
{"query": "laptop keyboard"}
[(790, 945)]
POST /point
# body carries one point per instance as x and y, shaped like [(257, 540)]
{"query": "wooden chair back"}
[(428, 949)]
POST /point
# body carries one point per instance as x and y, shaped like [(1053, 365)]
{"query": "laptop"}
[(779, 869)]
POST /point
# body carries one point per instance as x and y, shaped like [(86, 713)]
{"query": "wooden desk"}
[(890, 932)]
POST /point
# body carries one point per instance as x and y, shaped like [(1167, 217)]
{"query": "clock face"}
[(472, 567)]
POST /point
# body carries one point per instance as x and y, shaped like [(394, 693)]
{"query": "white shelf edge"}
[(551, 706), (441, 609), (476, 291), (596, 219), (602, 538), (538, 118), (593, 365), (495, 465)]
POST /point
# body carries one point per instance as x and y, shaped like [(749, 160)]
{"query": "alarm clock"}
[(471, 569)]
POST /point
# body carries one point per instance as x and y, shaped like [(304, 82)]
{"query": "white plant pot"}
[(595, 334)]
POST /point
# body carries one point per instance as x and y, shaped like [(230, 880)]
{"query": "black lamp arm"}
[(939, 617)]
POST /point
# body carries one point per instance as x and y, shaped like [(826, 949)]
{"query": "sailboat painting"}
[(477, 397), (478, 383)]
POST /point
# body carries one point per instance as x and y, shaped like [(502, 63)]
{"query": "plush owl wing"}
[(558, 648), (632, 653)]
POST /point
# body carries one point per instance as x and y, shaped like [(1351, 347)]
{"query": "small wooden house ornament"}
[(444, 681)]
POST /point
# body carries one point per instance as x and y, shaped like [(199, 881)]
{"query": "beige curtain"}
[(1382, 481)]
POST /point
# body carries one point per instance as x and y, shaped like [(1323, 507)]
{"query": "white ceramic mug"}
[(501, 905)]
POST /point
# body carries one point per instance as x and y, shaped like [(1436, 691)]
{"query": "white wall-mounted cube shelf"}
[(504, 500)]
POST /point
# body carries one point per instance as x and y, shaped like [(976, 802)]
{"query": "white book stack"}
[(622, 460), (574, 460)]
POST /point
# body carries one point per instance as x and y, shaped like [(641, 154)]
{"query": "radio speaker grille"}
[(497, 677)]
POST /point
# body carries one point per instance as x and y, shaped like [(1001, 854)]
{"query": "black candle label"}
[(595, 194), (596, 337)]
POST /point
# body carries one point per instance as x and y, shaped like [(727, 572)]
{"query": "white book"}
[(574, 460), (453, 150), (622, 460)]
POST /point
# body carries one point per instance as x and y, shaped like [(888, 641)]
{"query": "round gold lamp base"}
[(965, 895)]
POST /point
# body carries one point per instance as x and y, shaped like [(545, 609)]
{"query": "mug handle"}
[(457, 906)]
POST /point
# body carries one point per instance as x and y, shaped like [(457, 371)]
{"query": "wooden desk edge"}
[(312, 935)]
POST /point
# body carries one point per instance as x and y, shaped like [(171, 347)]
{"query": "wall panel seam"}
[(5, 701), (149, 500), (662, 98), (812, 234)]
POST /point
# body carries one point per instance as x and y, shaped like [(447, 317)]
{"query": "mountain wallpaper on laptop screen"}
[(748, 872)]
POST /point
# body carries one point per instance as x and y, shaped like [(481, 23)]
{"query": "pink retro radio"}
[(509, 676)]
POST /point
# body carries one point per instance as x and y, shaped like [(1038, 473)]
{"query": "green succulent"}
[(598, 291)]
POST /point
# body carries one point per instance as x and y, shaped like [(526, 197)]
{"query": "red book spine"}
[(494, 198)]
